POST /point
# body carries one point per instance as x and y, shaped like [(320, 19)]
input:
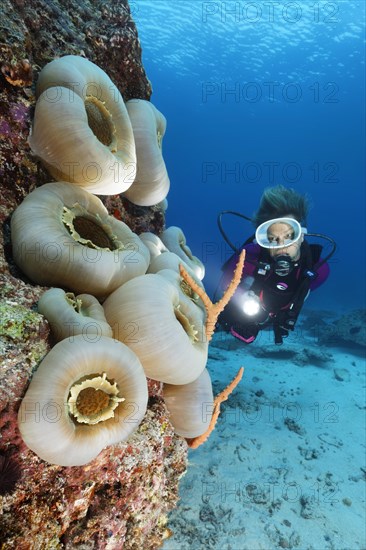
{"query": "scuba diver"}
[(281, 267)]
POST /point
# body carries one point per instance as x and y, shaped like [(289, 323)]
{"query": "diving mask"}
[(279, 233)]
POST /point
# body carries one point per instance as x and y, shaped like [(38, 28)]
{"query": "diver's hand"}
[(287, 324), (282, 325), (285, 321)]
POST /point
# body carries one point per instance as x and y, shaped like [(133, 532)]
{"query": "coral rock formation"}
[(120, 499), (348, 329)]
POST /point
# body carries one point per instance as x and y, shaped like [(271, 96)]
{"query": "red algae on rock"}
[(121, 498)]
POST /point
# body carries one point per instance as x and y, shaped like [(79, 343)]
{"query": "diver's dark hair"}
[(277, 202)]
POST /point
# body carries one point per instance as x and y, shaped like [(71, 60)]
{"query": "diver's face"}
[(279, 233)]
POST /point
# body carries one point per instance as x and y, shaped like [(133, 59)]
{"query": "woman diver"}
[(281, 267)]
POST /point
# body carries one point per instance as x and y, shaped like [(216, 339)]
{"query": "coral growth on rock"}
[(121, 498), (32, 34), (348, 329)]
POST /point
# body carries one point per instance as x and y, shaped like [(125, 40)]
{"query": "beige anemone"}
[(161, 260), (186, 293), (170, 260), (63, 236), (83, 397), (70, 315), (81, 129), (166, 332), (151, 184), (190, 406), (175, 241), (153, 243)]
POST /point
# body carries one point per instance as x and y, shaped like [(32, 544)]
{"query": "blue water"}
[(257, 94)]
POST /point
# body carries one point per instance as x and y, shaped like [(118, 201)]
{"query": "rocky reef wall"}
[(120, 499)]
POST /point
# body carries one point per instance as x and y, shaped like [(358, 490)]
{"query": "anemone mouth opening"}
[(74, 302), (187, 326), (89, 229), (188, 291), (93, 399), (100, 121)]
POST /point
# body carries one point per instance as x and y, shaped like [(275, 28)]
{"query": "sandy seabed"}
[(285, 467)]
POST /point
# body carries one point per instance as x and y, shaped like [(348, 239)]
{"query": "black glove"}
[(286, 321), (282, 324)]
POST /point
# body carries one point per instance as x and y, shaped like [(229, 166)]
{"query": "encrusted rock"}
[(313, 356), (32, 34), (348, 329), (342, 375), (119, 500)]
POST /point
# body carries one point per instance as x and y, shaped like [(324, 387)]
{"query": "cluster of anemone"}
[(123, 307), (86, 134)]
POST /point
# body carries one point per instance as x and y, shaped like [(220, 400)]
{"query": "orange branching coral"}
[(197, 441), (214, 310)]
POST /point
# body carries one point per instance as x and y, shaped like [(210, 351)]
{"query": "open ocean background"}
[(256, 94)]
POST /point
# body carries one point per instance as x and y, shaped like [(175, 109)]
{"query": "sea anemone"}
[(190, 406), (162, 259), (81, 129), (153, 243), (63, 236), (175, 241), (185, 290), (170, 260), (151, 185), (166, 332), (83, 397), (70, 315)]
